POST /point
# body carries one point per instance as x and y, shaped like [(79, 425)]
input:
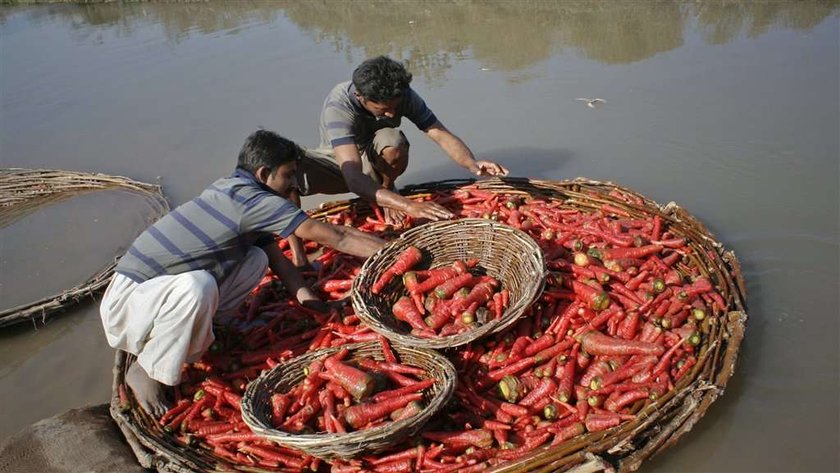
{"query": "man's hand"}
[(308, 299), (488, 168), (428, 211)]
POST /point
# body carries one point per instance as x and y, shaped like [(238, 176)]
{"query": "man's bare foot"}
[(151, 394)]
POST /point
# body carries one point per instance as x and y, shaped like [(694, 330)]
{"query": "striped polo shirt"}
[(344, 120), (213, 231)]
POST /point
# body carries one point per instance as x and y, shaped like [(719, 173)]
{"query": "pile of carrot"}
[(443, 301), (624, 315), (338, 395)]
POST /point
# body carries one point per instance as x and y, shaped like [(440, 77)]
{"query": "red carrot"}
[(337, 285), (404, 262), (268, 453), (596, 422), (512, 368), (438, 276), (480, 293), (358, 383), (665, 360), (596, 343), (279, 405), (567, 432), (640, 252), (480, 438), (405, 310), (449, 287), (564, 389), (596, 299), (625, 398), (360, 415), (545, 341), (541, 391), (387, 352), (410, 283), (554, 350), (174, 411)]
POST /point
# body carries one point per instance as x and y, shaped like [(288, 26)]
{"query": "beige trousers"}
[(168, 320)]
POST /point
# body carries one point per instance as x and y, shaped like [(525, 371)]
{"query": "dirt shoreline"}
[(84, 439)]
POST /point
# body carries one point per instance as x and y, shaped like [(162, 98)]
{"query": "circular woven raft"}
[(256, 403), (622, 448), (507, 254), (23, 191)]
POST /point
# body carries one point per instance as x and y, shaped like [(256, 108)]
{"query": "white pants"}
[(168, 320)]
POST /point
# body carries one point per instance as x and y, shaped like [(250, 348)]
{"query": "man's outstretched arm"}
[(350, 163), (461, 154)]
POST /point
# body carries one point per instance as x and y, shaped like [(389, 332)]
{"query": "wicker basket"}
[(23, 191), (506, 253), (256, 403)]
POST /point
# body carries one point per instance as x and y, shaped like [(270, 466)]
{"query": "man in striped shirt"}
[(363, 151), (201, 260)]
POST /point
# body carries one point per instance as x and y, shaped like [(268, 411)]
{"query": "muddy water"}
[(729, 109)]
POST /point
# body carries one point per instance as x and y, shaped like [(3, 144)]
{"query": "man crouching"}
[(201, 260)]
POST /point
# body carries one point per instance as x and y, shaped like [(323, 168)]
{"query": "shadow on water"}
[(526, 161), (430, 37)]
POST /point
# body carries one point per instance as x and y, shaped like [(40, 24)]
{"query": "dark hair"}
[(266, 148), (381, 79)]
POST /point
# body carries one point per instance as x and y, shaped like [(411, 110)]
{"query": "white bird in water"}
[(591, 103)]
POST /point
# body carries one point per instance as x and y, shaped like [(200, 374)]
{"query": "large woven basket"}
[(256, 403), (623, 448), (23, 191), (507, 254)]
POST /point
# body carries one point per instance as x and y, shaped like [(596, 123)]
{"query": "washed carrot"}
[(624, 399), (273, 455), (358, 383), (404, 262), (398, 466), (174, 411), (437, 277), (410, 410), (359, 415), (411, 284), (545, 341), (598, 422), (541, 391), (567, 432), (596, 299), (408, 453), (405, 310), (480, 438), (480, 293), (512, 368), (596, 343), (279, 405), (449, 287), (553, 351), (639, 252)]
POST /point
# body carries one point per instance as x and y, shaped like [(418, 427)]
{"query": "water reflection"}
[(500, 34)]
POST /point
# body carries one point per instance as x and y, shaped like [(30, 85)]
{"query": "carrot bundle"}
[(447, 300)]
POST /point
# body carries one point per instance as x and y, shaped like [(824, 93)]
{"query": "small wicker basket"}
[(256, 403), (507, 254)]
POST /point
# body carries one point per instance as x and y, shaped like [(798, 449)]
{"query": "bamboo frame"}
[(622, 448), (23, 191)]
